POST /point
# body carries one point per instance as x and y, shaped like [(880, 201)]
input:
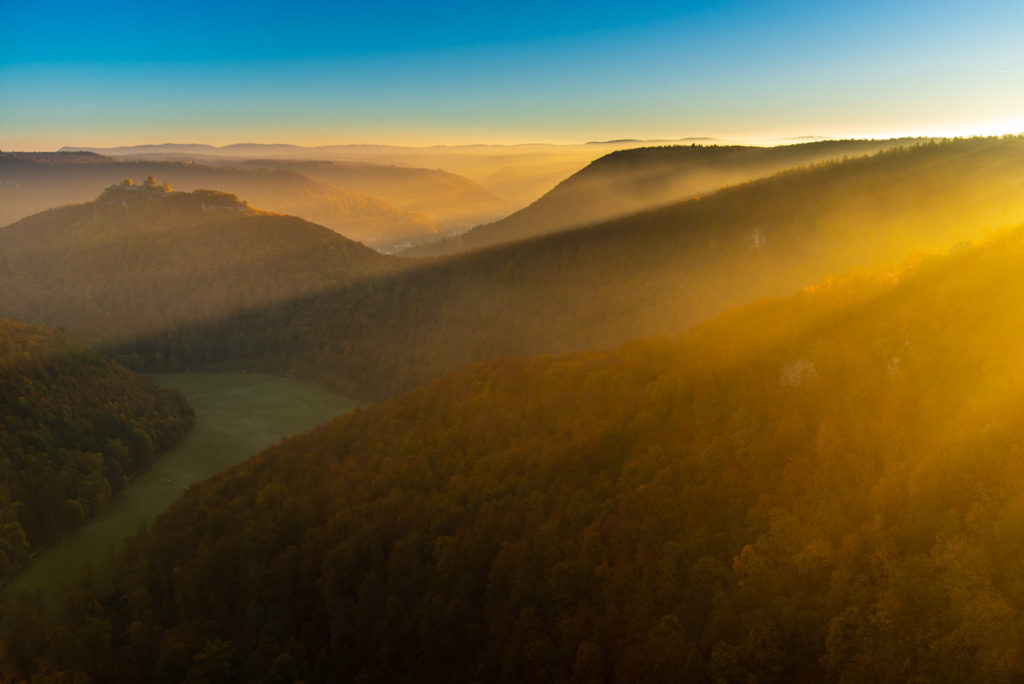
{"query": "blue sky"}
[(457, 72)]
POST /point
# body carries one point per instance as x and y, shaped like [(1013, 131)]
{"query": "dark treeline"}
[(652, 273), (629, 181), (140, 260), (827, 487), (73, 427)]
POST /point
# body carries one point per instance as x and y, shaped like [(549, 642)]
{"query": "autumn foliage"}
[(74, 427), (826, 487)]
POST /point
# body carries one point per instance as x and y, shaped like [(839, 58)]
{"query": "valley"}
[(654, 272), (237, 414), (632, 448), (555, 343)]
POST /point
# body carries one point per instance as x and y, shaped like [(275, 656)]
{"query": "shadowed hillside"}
[(73, 427), (140, 260), (32, 182), (629, 181), (822, 488), (652, 273)]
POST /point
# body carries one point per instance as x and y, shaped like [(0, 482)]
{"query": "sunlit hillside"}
[(652, 273), (74, 427), (628, 181), (30, 183), (825, 487), (141, 260)]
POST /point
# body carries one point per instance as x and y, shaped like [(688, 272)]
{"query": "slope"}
[(32, 182), (73, 427), (822, 488), (651, 273), (140, 261), (628, 181)]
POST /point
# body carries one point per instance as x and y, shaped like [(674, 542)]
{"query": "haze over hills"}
[(32, 182), (826, 488), (74, 426), (454, 203), (632, 180), (655, 272), (140, 261), (340, 152), (518, 173)]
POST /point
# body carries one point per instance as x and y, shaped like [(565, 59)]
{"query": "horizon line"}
[(765, 140)]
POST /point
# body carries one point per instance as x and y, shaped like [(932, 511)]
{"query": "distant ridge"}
[(518, 173), (62, 156), (162, 147), (249, 149), (452, 201), (613, 142), (246, 148), (649, 141)]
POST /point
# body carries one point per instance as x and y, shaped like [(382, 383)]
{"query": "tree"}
[(150, 182)]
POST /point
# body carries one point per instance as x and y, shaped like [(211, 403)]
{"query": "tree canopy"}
[(74, 426), (826, 487)]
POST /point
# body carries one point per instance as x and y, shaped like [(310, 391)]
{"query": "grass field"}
[(237, 415)]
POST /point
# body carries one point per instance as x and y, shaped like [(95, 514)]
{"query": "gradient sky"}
[(74, 73)]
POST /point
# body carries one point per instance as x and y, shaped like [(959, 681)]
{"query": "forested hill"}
[(140, 260), (73, 427), (652, 273), (629, 181), (33, 182), (827, 487)]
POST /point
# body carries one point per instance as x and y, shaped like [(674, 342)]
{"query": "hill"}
[(628, 181), (140, 260), (73, 427), (652, 273), (452, 202), (826, 487), (33, 182)]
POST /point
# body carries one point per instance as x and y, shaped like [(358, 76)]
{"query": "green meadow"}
[(237, 415)]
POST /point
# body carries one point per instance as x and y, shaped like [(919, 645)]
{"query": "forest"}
[(822, 487), (655, 272), (74, 428)]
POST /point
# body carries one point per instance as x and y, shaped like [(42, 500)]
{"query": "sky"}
[(418, 73)]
